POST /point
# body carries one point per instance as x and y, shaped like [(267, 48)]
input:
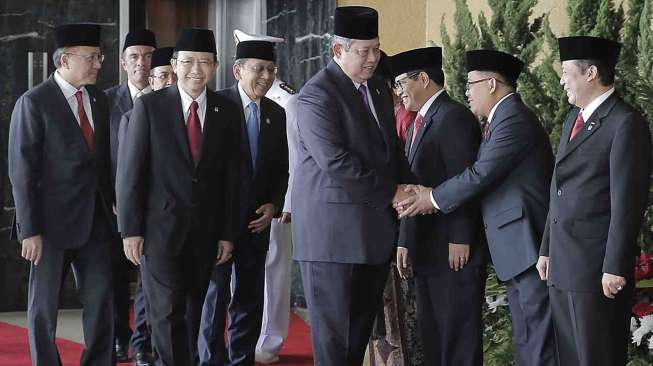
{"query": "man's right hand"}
[(402, 193), (133, 247), (543, 267), (32, 249), (402, 262)]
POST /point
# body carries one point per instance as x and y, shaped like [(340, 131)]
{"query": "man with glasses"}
[(135, 60), (161, 76), (512, 174), (177, 194), (263, 183), (447, 252), (347, 175), (59, 169)]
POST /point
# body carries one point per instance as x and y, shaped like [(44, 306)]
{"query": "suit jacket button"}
[(559, 192), (555, 221), (195, 180), (485, 226)]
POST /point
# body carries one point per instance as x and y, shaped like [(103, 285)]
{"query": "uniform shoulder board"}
[(287, 88)]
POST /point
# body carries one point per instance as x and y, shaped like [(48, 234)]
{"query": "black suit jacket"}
[(599, 192), (267, 183), (512, 173), (445, 145), (120, 101), (161, 194), (55, 177)]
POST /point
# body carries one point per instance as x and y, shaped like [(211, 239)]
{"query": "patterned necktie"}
[(252, 131), (416, 127), (362, 90), (578, 125), (85, 125), (486, 130), (194, 130)]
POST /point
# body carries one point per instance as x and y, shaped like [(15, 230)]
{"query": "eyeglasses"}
[(401, 83), (259, 68), (469, 83), (162, 76), (190, 62), (365, 52), (88, 58)]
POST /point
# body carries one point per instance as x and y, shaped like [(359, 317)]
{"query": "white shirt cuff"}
[(435, 204)]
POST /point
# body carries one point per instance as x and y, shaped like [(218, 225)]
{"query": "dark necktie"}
[(85, 125), (194, 130), (486, 130), (362, 90), (416, 127), (578, 125)]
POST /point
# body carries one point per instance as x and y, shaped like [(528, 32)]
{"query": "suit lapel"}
[(379, 107), (124, 99), (566, 132), (264, 136), (426, 122), (234, 94), (176, 114), (67, 114), (211, 118)]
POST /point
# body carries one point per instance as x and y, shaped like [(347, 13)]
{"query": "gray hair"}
[(56, 56), (344, 42)]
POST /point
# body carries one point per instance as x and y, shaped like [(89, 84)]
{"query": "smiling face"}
[(360, 61), (255, 76), (575, 82), (194, 70), (411, 87), (479, 92)]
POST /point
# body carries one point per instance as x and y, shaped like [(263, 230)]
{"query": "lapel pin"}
[(216, 109), (267, 121), (378, 92), (591, 126), (93, 99)]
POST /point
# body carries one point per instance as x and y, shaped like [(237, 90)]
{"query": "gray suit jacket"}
[(347, 172), (120, 101), (55, 177), (599, 192), (513, 173), (291, 135)]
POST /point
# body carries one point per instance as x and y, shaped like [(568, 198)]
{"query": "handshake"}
[(413, 199)]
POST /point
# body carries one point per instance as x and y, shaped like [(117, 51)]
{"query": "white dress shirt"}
[(186, 100), (69, 92), (587, 111), (246, 100), (135, 92)]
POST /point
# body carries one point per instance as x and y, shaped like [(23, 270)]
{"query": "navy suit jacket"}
[(267, 183), (347, 172), (120, 101), (445, 145), (161, 194), (599, 193), (55, 177), (512, 173)]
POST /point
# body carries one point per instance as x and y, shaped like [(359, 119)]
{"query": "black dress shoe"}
[(143, 359), (121, 353)]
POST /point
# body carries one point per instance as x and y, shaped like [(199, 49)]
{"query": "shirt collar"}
[(186, 99), (357, 85), (429, 102), (245, 99), (589, 110), (494, 109), (68, 89), (133, 90)]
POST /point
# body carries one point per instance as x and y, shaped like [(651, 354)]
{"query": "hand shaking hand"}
[(417, 202)]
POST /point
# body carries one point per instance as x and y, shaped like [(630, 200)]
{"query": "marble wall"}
[(25, 26)]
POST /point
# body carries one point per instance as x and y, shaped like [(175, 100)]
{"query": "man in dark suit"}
[(135, 60), (347, 175), (511, 175), (177, 194), (599, 193), (441, 143), (161, 76), (263, 183), (60, 175)]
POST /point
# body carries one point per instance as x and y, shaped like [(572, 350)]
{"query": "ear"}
[(592, 73), (173, 63), (337, 50), (123, 64), (236, 70), (424, 78)]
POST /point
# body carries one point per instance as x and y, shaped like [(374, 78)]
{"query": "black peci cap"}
[(71, 35), (196, 40), (142, 37), (356, 22), (417, 59), (263, 50), (161, 56), (586, 48), (502, 63)]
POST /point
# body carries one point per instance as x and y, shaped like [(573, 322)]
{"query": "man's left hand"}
[(458, 256), (612, 284), (225, 248), (267, 213), (419, 203)]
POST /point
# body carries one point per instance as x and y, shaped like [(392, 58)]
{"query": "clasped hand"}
[(413, 199)]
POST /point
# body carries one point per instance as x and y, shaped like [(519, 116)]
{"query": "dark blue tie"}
[(252, 131)]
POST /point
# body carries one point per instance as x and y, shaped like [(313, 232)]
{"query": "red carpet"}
[(14, 348)]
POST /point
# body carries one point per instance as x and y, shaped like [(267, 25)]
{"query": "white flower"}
[(646, 327), (495, 301)]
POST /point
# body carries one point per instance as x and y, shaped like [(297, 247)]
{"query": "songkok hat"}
[(586, 48), (502, 63), (263, 50), (356, 22), (142, 37), (417, 59), (161, 56), (240, 36), (196, 40), (71, 35)]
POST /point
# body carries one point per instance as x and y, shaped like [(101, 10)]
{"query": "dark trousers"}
[(140, 339), (532, 324), (94, 282), (591, 329), (449, 314), (176, 285), (121, 295), (342, 300), (245, 308)]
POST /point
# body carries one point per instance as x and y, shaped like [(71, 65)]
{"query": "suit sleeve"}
[(24, 159), (279, 177), (291, 136), (546, 237), (630, 169), (131, 178), (322, 136), (511, 140), (230, 209), (122, 131)]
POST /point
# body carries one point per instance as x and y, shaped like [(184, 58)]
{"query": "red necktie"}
[(85, 125), (416, 126), (486, 130), (194, 130), (578, 125)]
